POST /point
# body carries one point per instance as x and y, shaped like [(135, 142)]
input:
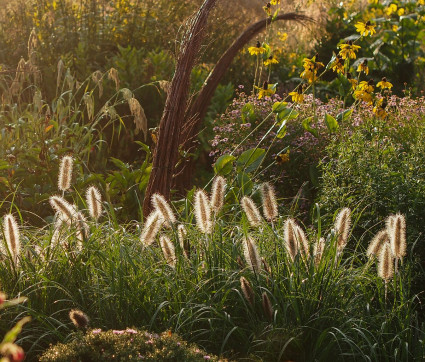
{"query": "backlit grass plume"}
[(385, 267), (290, 238), (375, 246), (319, 248), (151, 228), (247, 290), (183, 241), (268, 197), (57, 226), (203, 212), (66, 210), (94, 202), (398, 238), (251, 254), (82, 227), (79, 318), (267, 307), (302, 241), (160, 203), (217, 193), (251, 211), (342, 228), (168, 250), (65, 173), (12, 236)]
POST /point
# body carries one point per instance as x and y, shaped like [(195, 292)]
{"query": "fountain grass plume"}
[(247, 291), (319, 248), (251, 211), (67, 211), (160, 203), (94, 202), (79, 318), (342, 228), (379, 240), (398, 236), (203, 212), (251, 254), (290, 238), (267, 307), (385, 267), (183, 241), (151, 227), (217, 193), (168, 250), (302, 241), (65, 173), (12, 236), (268, 197)]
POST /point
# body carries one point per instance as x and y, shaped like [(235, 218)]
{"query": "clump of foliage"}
[(126, 345)]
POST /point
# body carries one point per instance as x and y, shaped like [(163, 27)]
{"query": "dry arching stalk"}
[(217, 193), (184, 243), (64, 208), (11, 233), (342, 228), (268, 197), (375, 246), (251, 211), (94, 202), (267, 307), (247, 291), (160, 203), (290, 238), (168, 250), (65, 173), (203, 212), (140, 119), (150, 230), (251, 254)]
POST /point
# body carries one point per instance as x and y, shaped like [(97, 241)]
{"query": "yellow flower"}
[(271, 60), (282, 158), (384, 84), (282, 36), (365, 28), (266, 90), (268, 9), (258, 49), (338, 65), (395, 28), (309, 75), (363, 67), (275, 2), (421, 2), (362, 95), (352, 81), (348, 50), (366, 86), (297, 97), (400, 12), (311, 64), (391, 9), (379, 108)]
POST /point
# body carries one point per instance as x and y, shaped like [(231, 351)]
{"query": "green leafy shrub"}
[(126, 345)]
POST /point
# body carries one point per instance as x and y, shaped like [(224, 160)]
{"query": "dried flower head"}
[(251, 254), (151, 228), (140, 119), (65, 173), (79, 318), (386, 266), (251, 211), (342, 228), (267, 307), (94, 202), (398, 236), (268, 196), (203, 212), (319, 248), (160, 203), (375, 246), (184, 243), (290, 238), (168, 250), (217, 194), (67, 211), (113, 74), (247, 290), (12, 236)]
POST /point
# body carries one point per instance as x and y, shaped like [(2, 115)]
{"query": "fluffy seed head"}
[(375, 246), (268, 197), (82, 227), (386, 266), (65, 173), (94, 202), (67, 211), (168, 250), (267, 307), (203, 212), (290, 238), (150, 229), (140, 119), (160, 203), (79, 318), (217, 193), (184, 243), (251, 211), (56, 230), (11, 233), (398, 236), (266, 266), (302, 241), (247, 290), (251, 254), (342, 228), (319, 248)]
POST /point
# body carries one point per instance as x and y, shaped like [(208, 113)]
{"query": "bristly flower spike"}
[(184, 243), (160, 203), (251, 211), (247, 291), (151, 228), (65, 173), (217, 193), (268, 196), (377, 243), (79, 318), (94, 202), (385, 266), (267, 307), (398, 238), (342, 228), (319, 248), (203, 212), (290, 238), (67, 211), (11, 233), (251, 254), (168, 250)]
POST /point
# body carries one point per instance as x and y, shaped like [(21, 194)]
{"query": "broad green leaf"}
[(282, 130), (344, 115), (279, 106), (250, 159), (247, 112), (245, 183), (306, 123), (224, 165), (331, 123)]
